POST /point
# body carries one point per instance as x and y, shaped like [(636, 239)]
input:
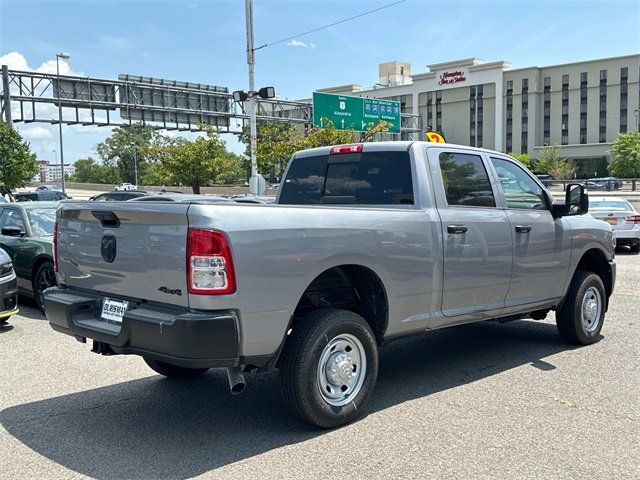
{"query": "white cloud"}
[(17, 61), (299, 44), (36, 133)]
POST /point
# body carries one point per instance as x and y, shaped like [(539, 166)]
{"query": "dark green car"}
[(26, 233)]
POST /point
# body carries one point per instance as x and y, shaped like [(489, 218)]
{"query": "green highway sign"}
[(357, 113)]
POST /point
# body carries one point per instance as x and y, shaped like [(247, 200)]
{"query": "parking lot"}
[(485, 400)]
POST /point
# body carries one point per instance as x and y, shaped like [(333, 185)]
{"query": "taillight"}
[(209, 263), (633, 219), (356, 148), (55, 247)]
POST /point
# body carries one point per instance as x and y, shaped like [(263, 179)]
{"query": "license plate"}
[(114, 310)]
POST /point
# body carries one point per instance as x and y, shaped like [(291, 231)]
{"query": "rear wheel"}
[(44, 278), (635, 248), (329, 367), (581, 317), (174, 371)]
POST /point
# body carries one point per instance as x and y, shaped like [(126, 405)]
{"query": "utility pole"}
[(252, 100), (64, 56)]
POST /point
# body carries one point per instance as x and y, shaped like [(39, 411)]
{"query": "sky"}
[(204, 41)]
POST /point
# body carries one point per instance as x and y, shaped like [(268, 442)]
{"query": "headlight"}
[(6, 269)]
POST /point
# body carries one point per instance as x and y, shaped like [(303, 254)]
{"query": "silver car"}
[(623, 218)]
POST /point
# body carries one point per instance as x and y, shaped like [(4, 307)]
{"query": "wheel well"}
[(36, 265), (349, 287), (595, 261)]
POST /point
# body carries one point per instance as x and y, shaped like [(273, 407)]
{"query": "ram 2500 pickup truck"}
[(364, 243)]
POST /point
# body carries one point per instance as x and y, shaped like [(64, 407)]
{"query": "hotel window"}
[(624, 77), (480, 114), (565, 110), (472, 116), (546, 131), (524, 120), (429, 111), (509, 142), (602, 136), (439, 112), (583, 107)]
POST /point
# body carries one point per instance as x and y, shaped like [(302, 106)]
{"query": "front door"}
[(477, 240), (541, 243)]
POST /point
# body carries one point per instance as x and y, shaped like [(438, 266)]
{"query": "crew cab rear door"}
[(476, 237), (125, 249)]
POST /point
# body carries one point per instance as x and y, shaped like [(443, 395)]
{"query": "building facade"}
[(52, 172), (581, 106)]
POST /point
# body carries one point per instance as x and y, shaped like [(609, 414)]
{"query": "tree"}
[(523, 158), (127, 146), (87, 170), (196, 163), (551, 163), (626, 149), (17, 164)]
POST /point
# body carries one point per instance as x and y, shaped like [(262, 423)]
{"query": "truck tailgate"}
[(118, 248)]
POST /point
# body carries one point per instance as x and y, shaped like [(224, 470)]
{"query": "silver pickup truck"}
[(365, 243)]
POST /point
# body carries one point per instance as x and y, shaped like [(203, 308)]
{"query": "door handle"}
[(456, 229), (523, 228)]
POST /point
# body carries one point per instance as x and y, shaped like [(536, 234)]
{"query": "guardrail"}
[(618, 185)]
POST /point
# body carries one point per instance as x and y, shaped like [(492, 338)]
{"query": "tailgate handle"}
[(107, 219)]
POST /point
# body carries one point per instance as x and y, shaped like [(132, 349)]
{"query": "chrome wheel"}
[(591, 309), (341, 370)]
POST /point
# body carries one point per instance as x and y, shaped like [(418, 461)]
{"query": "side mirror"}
[(576, 201), (12, 232)]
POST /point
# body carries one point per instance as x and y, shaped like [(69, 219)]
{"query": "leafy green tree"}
[(196, 163), (523, 158), (17, 164), (626, 149), (552, 163), (87, 170), (128, 145)]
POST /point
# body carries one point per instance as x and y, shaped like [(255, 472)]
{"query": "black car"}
[(119, 196), (8, 288), (40, 196)]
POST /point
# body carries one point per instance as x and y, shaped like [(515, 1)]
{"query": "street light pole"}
[(636, 113), (252, 100), (64, 56)]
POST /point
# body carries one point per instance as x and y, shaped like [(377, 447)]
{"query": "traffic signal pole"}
[(252, 100)]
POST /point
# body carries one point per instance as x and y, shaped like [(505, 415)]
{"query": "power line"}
[(329, 25)]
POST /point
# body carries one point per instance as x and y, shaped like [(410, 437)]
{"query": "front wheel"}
[(174, 371), (44, 278), (581, 317), (329, 367)]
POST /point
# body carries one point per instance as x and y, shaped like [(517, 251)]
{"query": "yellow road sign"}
[(435, 137)]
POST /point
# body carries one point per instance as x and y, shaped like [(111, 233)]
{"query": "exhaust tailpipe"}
[(236, 380)]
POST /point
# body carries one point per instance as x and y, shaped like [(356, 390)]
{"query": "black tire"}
[(44, 278), (173, 371), (4, 321), (635, 248), (569, 318), (299, 366)]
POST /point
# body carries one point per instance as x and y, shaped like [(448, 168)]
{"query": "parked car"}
[(8, 288), (364, 243), (609, 183), (182, 197), (546, 180), (118, 196), (123, 187), (623, 218), (40, 196), (26, 233), (51, 188)]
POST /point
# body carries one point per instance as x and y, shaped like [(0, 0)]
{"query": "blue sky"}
[(204, 41)]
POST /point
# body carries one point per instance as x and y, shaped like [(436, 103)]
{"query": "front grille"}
[(6, 270)]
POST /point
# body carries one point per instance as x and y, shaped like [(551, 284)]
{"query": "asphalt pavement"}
[(482, 401)]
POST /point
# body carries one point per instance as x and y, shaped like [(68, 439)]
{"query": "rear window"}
[(368, 178), (27, 197), (610, 205)]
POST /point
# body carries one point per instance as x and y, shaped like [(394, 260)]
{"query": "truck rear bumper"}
[(181, 337)]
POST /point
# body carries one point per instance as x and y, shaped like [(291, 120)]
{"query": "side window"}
[(520, 190), (101, 198), (11, 218), (466, 182)]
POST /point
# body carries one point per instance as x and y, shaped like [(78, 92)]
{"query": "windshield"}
[(42, 221), (620, 205)]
